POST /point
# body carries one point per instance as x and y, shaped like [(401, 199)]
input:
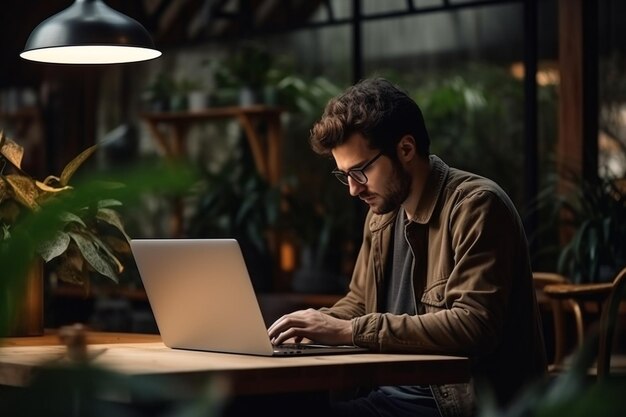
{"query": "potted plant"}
[(246, 71), (594, 213), (91, 238), (159, 91), (234, 201), (324, 224)]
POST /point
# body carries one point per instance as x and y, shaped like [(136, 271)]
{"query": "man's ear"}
[(406, 148)]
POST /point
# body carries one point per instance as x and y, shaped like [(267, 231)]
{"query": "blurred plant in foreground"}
[(34, 228)]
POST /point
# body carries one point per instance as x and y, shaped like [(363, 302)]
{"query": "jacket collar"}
[(432, 190), (428, 201)]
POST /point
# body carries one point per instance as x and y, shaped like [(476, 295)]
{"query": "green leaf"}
[(109, 202), (92, 255), (113, 218), (106, 249), (50, 249), (68, 217)]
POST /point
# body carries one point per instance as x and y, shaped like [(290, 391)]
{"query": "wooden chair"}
[(559, 308), (608, 297)]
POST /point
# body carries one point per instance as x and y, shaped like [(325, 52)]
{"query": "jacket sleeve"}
[(469, 319)]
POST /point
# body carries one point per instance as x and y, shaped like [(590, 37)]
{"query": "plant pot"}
[(248, 96), (29, 314), (198, 100)]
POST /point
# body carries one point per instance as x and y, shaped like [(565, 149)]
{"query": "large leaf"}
[(74, 164), (113, 218), (93, 256), (117, 245), (68, 217), (54, 247), (24, 190), (106, 249), (69, 272), (11, 151)]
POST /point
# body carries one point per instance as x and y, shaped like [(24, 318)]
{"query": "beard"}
[(395, 193)]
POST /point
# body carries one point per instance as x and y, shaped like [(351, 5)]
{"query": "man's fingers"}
[(285, 322), (288, 334)]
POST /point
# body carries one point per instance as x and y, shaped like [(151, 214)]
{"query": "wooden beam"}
[(570, 140), (578, 104)]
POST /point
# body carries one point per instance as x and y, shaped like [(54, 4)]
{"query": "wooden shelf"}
[(169, 131), (266, 148)]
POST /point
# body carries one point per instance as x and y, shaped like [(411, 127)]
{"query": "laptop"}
[(202, 298)]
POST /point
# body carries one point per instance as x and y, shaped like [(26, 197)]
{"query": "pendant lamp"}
[(89, 32)]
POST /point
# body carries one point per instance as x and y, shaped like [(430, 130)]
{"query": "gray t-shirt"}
[(400, 299)]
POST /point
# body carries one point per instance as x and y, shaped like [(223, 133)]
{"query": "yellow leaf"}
[(75, 163), (5, 190), (11, 151), (24, 190), (44, 187), (51, 178)]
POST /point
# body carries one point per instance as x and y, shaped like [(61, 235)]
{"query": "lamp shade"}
[(89, 32)]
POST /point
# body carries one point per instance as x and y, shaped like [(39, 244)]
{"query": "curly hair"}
[(378, 110)]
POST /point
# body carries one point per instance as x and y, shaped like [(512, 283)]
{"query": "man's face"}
[(388, 184)]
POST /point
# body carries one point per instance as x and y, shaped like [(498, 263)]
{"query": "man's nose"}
[(355, 187)]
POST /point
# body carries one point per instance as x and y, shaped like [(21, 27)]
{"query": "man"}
[(443, 267)]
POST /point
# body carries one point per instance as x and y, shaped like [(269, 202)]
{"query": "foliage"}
[(595, 210), (165, 92), (161, 88), (319, 210), (322, 219), (80, 388), (571, 393), (475, 118), (92, 237), (235, 201), (475, 121), (35, 227), (248, 66), (303, 97)]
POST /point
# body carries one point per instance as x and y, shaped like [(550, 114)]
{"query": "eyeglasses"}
[(357, 174)]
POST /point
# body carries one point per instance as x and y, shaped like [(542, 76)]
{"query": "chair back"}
[(557, 309), (608, 323)]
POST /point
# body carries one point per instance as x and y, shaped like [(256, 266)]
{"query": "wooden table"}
[(143, 355)]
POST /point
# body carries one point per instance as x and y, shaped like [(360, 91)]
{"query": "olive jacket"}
[(473, 279)]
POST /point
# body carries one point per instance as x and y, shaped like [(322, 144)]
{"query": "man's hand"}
[(311, 324)]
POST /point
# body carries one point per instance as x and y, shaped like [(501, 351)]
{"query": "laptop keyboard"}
[(294, 348)]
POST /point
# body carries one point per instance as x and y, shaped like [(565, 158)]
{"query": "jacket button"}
[(439, 297), (445, 395)]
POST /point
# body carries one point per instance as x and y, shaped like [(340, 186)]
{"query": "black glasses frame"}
[(357, 174)]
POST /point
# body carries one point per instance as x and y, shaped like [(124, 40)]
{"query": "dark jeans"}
[(375, 404)]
